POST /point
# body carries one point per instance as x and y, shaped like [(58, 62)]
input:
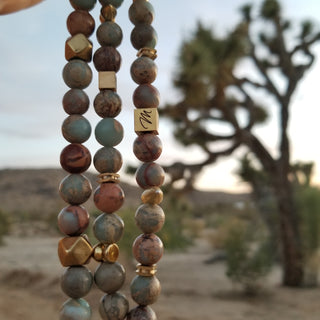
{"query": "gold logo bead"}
[(146, 120)]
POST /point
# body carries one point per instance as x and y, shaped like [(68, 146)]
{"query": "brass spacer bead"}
[(146, 271), (108, 177), (147, 52), (106, 253), (108, 13)]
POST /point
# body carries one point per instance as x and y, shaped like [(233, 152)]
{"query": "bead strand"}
[(147, 147), (75, 250)]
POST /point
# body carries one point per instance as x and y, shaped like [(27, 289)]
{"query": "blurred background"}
[(239, 121)]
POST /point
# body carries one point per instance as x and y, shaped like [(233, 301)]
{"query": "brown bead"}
[(109, 197), (147, 147), (146, 96), (143, 70), (143, 35), (107, 104), (140, 312), (107, 59), (107, 160), (141, 12), (75, 101), (149, 175), (75, 158), (80, 21)]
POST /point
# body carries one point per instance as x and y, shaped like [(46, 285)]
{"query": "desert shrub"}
[(4, 225)]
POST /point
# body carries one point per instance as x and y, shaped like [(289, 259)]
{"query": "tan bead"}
[(74, 251), (79, 47), (152, 196), (108, 13), (107, 80), (147, 52), (106, 253), (146, 120), (146, 271)]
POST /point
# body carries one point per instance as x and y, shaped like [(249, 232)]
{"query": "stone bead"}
[(108, 228), (75, 309), (109, 277), (147, 249), (109, 197), (149, 175), (107, 160), (114, 307), (107, 59), (75, 101), (146, 96), (75, 189), (150, 218), (141, 313), (80, 21), (76, 129), (75, 158), (77, 74), (141, 12), (76, 282), (115, 3), (83, 4), (147, 147), (109, 132), (73, 220), (143, 70), (109, 34), (143, 35), (152, 196), (107, 104), (145, 290)]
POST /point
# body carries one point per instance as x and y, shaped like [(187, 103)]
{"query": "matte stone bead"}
[(150, 218), (83, 4), (77, 74), (146, 96), (107, 160), (108, 228), (109, 197), (80, 21), (107, 59), (75, 309), (109, 132), (109, 34), (76, 282), (152, 196), (114, 307), (73, 220), (147, 147), (109, 277), (75, 158), (145, 290), (141, 12), (147, 249), (107, 104), (143, 35), (76, 129), (149, 175), (141, 313), (75, 189), (143, 70), (75, 101), (115, 3)]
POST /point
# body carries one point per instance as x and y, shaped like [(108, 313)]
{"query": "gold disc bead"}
[(146, 271), (147, 52)]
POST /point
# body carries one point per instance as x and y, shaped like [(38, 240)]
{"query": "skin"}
[(10, 6)]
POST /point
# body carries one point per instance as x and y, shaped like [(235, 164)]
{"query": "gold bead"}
[(107, 80), (78, 46), (108, 13), (107, 253), (98, 253), (108, 177), (152, 196), (146, 271), (74, 251), (146, 120), (147, 52)]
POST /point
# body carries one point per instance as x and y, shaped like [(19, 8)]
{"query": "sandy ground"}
[(29, 288)]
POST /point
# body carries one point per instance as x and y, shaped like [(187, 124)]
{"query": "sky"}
[(31, 86)]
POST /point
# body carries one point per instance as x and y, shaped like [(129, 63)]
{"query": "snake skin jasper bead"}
[(107, 59), (109, 277), (75, 158), (77, 74), (75, 189), (147, 147), (83, 4), (147, 249), (143, 70), (145, 290), (149, 175), (109, 132), (141, 12), (109, 197), (146, 96), (108, 228), (73, 220), (114, 307), (75, 309), (143, 35), (80, 21), (141, 313), (107, 160), (109, 34), (150, 218), (107, 104), (75, 101), (76, 129), (76, 281)]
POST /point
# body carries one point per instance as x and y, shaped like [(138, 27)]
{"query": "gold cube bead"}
[(146, 271), (108, 13), (147, 52), (107, 253), (79, 47), (74, 251), (152, 196), (107, 80), (146, 120)]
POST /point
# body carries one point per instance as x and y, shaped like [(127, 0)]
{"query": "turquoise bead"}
[(114, 307), (75, 309), (109, 132), (76, 129), (83, 4), (150, 175), (109, 34), (115, 3), (77, 74)]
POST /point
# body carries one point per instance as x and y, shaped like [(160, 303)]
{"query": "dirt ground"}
[(29, 287)]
